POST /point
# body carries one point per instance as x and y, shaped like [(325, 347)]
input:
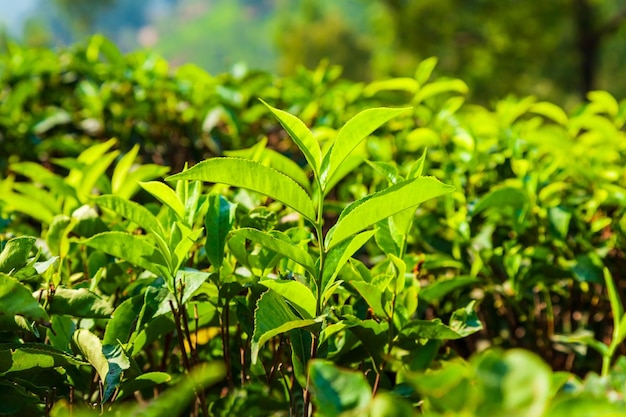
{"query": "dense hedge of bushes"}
[(526, 252)]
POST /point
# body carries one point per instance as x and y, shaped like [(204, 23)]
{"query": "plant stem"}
[(307, 392), (181, 341), (224, 324)]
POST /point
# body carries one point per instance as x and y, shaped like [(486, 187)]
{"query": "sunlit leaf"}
[(272, 317), (32, 357), (252, 176), (77, 302), (296, 294), (137, 250), (15, 253), (165, 195), (301, 135), (219, 219), (281, 246), (16, 299), (351, 135), (375, 207)]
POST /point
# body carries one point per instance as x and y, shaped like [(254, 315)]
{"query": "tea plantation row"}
[(320, 247)]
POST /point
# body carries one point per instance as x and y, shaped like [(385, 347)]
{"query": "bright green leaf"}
[(165, 195), (301, 135), (375, 207), (425, 69), (15, 253), (281, 246), (90, 348), (351, 135), (338, 256), (137, 250), (16, 299), (337, 391), (78, 303), (123, 321), (219, 220), (33, 357), (132, 211), (252, 176), (297, 294), (120, 173), (272, 317)]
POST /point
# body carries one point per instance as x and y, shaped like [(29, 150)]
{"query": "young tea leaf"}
[(132, 211), (337, 258), (282, 246), (338, 391), (15, 253), (253, 176), (218, 221), (296, 294), (272, 317), (350, 135), (375, 207), (120, 173), (135, 249), (165, 195), (301, 135)]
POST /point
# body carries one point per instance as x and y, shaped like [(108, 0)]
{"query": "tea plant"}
[(304, 292), (312, 268)]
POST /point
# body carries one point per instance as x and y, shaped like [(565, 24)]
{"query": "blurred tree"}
[(318, 33), (552, 48), (83, 14)]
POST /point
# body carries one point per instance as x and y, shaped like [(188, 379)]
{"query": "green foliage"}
[(327, 274)]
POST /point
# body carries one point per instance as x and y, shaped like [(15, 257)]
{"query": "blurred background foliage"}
[(557, 50)]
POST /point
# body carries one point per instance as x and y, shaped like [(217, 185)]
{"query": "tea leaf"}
[(282, 246), (253, 176), (118, 363), (349, 137), (514, 383), (135, 249), (425, 69), (330, 395), (297, 294), (440, 87), (120, 173), (15, 253), (401, 84), (132, 211), (373, 296), (551, 111), (378, 206), (218, 221), (272, 317), (141, 382), (301, 135), (16, 299), (78, 303), (338, 256), (499, 197), (90, 348), (32, 357), (165, 195), (186, 239), (123, 321)]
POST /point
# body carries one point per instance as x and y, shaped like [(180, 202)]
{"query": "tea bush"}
[(337, 249)]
